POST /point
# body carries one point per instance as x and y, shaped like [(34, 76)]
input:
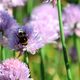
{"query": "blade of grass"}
[(1, 52), (76, 41), (26, 59), (63, 41), (42, 64), (29, 7)]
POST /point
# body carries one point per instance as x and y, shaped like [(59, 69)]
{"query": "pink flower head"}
[(13, 69), (45, 26), (77, 29), (71, 15)]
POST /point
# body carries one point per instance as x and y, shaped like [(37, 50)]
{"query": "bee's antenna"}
[(20, 30)]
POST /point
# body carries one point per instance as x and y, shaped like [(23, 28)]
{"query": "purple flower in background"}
[(7, 22), (13, 3), (9, 4), (4, 73), (73, 54), (13, 69), (9, 28), (71, 16), (77, 29), (71, 13)]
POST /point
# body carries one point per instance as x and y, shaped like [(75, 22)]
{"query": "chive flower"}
[(45, 27), (71, 18), (13, 69)]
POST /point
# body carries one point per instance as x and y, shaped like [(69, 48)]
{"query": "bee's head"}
[(22, 37)]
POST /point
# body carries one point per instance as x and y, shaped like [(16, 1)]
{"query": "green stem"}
[(78, 51), (14, 53), (29, 6), (26, 59), (1, 52), (42, 65), (77, 45), (78, 1), (63, 40)]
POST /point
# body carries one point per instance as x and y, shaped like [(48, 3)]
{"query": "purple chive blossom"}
[(45, 27), (71, 15), (13, 69), (9, 27), (9, 4), (45, 18), (3, 73), (73, 54), (77, 29), (6, 22), (13, 3)]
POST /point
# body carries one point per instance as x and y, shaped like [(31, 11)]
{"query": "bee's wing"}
[(4, 41), (34, 43), (35, 40), (11, 41)]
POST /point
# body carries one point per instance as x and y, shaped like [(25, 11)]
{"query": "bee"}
[(22, 37)]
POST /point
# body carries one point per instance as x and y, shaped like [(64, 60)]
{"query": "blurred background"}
[(54, 66)]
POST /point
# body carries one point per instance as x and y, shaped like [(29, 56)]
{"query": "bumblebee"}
[(22, 37)]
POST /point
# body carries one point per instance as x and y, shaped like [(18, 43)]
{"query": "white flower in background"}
[(71, 14)]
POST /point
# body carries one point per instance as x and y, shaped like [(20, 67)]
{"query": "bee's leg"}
[(20, 53)]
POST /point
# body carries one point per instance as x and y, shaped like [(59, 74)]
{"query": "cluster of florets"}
[(13, 69)]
